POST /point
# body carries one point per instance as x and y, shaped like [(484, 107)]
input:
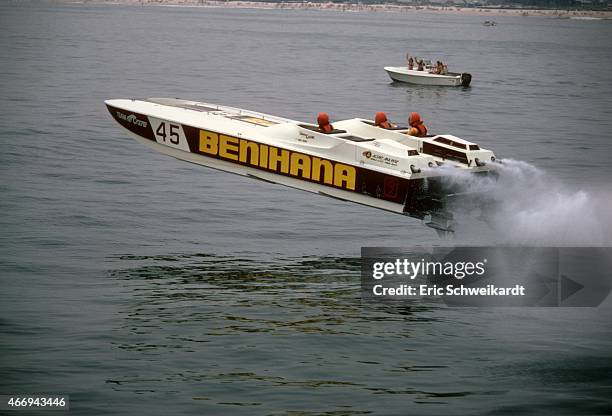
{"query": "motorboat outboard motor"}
[(466, 79)]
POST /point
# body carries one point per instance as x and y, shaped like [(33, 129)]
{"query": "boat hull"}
[(402, 74), (334, 179)]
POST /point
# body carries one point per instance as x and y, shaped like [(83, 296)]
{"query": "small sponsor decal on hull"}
[(136, 123)]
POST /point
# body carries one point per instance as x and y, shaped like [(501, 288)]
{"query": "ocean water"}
[(138, 284)]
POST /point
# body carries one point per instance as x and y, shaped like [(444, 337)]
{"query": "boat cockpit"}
[(444, 148)]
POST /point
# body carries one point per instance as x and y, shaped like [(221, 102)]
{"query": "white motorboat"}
[(356, 162), (403, 74)]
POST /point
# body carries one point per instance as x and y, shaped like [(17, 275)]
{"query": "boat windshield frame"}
[(314, 128)]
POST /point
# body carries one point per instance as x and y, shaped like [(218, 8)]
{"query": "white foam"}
[(527, 206)]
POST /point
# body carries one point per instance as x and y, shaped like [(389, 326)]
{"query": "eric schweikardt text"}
[(435, 278)]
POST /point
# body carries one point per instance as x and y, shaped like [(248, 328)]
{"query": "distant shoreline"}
[(353, 7)]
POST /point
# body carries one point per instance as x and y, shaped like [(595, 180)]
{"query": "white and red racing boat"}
[(356, 162)]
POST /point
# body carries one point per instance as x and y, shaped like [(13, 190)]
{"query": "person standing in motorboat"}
[(444, 70), (417, 128), (437, 69), (420, 65), (410, 62)]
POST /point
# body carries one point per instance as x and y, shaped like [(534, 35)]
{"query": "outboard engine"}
[(466, 79)]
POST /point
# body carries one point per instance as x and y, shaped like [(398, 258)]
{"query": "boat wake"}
[(525, 205)]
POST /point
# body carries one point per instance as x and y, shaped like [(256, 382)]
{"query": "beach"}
[(354, 7)]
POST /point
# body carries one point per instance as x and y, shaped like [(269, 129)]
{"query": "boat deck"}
[(237, 114)]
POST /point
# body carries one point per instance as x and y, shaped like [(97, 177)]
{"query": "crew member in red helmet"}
[(380, 120), (324, 125), (417, 128)]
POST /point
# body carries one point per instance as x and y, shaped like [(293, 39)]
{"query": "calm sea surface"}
[(136, 283)]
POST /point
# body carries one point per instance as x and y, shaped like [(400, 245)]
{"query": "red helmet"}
[(415, 119), (323, 119), (380, 118)]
